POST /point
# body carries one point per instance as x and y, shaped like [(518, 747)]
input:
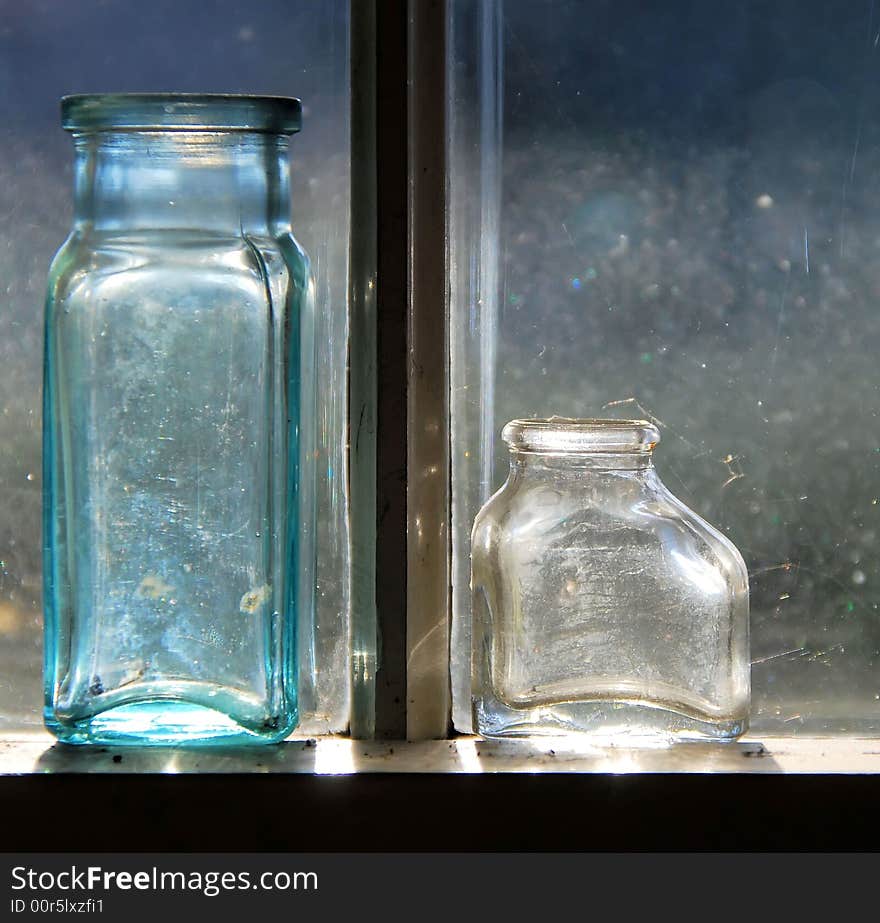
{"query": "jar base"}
[(624, 723), (161, 722)]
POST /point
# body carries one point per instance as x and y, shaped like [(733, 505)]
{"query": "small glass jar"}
[(171, 412), (602, 604)]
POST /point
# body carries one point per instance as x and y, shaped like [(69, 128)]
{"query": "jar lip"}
[(588, 436), (181, 112)]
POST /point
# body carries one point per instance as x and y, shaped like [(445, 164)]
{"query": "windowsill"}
[(38, 754)]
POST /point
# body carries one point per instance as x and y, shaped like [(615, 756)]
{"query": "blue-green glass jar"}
[(171, 396)]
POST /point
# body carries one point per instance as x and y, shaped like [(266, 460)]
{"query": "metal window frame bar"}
[(390, 50), (362, 396), (412, 555), (428, 549)]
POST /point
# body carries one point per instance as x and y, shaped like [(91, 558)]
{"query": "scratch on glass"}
[(734, 469), (800, 651)]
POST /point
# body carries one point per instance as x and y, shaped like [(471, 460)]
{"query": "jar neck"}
[(232, 181), (581, 463)]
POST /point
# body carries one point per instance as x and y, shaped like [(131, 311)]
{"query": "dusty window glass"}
[(49, 48), (671, 211)]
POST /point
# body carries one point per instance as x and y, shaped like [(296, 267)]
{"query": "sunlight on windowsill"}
[(36, 753)]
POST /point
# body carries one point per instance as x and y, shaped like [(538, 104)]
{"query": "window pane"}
[(686, 228), (51, 48)]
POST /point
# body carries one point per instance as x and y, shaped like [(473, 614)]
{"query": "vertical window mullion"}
[(391, 367), (428, 695)]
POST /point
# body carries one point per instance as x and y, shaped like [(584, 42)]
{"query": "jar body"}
[(171, 396), (603, 605)]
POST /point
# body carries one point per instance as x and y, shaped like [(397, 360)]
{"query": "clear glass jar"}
[(602, 604), (171, 407)]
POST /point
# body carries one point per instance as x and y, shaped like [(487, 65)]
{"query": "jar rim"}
[(580, 435), (180, 112)]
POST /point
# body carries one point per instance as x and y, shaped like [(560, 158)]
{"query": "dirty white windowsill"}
[(38, 753)]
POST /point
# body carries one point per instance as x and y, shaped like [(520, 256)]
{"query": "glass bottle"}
[(602, 604), (171, 410)]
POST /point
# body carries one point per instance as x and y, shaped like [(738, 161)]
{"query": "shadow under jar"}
[(171, 407), (602, 604)]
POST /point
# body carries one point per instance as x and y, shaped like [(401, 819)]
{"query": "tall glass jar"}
[(602, 604), (171, 410)]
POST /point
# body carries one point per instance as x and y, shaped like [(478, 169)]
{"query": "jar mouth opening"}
[(180, 112), (576, 436)]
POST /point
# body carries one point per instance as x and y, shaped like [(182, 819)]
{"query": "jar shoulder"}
[(169, 266), (545, 517), (493, 517)]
